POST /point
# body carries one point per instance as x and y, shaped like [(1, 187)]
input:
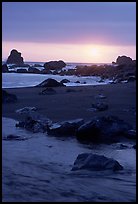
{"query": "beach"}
[(75, 102), (38, 168)]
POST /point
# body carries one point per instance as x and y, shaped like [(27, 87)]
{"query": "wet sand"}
[(64, 105)]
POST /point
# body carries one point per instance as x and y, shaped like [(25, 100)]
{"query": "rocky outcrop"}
[(15, 58), (8, 98), (50, 83), (65, 128), (123, 60), (5, 68), (95, 162), (53, 65), (106, 130)]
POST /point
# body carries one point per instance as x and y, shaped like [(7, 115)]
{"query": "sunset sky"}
[(71, 31)]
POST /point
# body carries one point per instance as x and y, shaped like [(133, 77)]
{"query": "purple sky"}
[(85, 23)]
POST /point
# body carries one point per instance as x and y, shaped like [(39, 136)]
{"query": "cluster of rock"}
[(109, 129), (123, 70), (99, 130)]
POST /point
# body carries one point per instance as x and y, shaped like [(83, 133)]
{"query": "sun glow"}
[(43, 52), (95, 52)]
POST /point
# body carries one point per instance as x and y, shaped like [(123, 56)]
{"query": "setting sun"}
[(95, 52)]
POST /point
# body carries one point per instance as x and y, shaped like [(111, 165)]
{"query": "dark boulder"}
[(124, 60), (106, 130), (50, 83), (5, 68), (8, 98), (15, 58), (95, 162), (53, 65), (34, 70), (65, 128)]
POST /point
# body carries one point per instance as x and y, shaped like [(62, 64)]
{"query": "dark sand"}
[(64, 105)]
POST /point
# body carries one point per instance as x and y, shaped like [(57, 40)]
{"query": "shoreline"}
[(76, 103)]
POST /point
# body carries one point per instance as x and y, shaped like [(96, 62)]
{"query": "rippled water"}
[(38, 169)]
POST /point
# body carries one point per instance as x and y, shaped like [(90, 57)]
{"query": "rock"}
[(38, 65), (8, 98), (106, 130), (77, 82), (22, 71), (64, 81), (95, 162), (123, 60), (100, 106), (131, 78), (46, 71), (15, 58), (34, 70), (50, 83), (131, 134), (53, 65), (65, 128), (48, 91), (100, 96), (26, 110), (34, 122), (5, 68), (12, 137)]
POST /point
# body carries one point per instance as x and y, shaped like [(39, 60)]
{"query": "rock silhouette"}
[(15, 58)]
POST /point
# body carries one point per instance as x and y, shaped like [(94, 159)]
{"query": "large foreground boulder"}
[(95, 162), (15, 58), (50, 83), (106, 130), (53, 65), (8, 98)]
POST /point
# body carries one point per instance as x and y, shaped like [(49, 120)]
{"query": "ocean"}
[(15, 80)]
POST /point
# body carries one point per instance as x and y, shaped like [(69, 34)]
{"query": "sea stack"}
[(15, 58)]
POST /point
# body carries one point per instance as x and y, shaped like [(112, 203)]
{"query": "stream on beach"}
[(38, 169)]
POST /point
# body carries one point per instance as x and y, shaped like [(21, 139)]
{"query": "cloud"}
[(112, 23)]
